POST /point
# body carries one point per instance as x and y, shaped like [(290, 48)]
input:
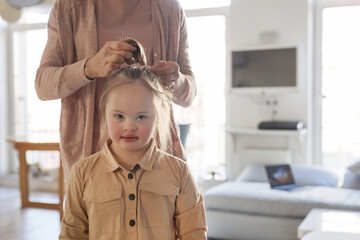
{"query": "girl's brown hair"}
[(161, 100)]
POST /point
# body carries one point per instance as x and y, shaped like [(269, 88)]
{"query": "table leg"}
[(24, 184), (61, 190)]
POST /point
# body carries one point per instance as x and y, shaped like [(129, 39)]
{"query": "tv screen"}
[(265, 68)]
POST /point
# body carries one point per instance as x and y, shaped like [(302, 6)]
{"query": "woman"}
[(83, 49)]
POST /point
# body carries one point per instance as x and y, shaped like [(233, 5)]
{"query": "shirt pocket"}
[(158, 204), (105, 206)]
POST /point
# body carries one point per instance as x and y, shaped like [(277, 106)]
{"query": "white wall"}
[(291, 21)]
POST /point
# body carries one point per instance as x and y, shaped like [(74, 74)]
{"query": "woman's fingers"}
[(168, 77), (165, 67), (115, 58), (109, 58), (167, 71), (119, 45)]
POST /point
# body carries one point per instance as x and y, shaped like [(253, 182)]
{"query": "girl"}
[(131, 189)]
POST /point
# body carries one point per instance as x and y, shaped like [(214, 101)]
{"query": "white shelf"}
[(263, 132)]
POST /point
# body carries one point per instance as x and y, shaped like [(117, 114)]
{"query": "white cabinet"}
[(256, 146)]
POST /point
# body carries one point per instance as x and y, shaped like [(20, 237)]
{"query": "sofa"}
[(247, 208)]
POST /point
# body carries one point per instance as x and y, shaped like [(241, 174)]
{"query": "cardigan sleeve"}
[(190, 212), (185, 89), (55, 78)]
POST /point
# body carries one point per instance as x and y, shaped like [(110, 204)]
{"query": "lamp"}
[(23, 3), (10, 10)]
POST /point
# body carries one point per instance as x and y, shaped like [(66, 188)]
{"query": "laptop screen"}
[(279, 175)]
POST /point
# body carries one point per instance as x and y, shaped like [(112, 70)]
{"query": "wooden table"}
[(22, 146)]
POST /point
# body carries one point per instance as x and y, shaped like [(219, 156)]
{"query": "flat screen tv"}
[(265, 70)]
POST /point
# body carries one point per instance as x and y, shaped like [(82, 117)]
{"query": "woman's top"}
[(156, 199), (72, 39)]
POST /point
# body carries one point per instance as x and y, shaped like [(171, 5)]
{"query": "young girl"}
[(131, 189)]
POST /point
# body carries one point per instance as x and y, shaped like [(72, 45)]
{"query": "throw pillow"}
[(351, 180), (303, 175), (355, 168)]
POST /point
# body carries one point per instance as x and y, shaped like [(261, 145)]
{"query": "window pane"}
[(34, 119), (205, 142), (340, 86)]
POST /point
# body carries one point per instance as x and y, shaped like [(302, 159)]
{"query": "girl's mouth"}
[(129, 138)]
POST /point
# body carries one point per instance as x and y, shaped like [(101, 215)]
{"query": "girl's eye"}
[(141, 117), (119, 116)]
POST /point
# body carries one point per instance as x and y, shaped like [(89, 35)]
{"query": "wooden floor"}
[(28, 223)]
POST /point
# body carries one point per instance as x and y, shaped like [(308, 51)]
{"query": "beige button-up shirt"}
[(157, 199)]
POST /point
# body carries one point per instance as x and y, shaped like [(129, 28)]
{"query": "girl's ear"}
[(138, 54)]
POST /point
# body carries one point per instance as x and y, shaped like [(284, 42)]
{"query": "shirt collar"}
[(146, 162)]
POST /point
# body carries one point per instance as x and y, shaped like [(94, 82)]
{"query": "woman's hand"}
[(109, 58), (167, 71)]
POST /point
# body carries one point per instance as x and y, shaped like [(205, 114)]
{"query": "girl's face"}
[(130, 117)]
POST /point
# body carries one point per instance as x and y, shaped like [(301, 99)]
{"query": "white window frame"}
[(217, 11), (10, 166), (5, 119), (320, 5)]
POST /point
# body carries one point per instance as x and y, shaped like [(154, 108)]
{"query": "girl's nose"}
[(130, 126)]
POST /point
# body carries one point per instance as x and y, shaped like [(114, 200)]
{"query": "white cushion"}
[(351, 180), (258, 198), (303, 175), (253, 173), (355, 168)]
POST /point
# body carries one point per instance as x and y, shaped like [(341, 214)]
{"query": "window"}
[(34, 119), (337, 84), (340, 85), (205, 144)]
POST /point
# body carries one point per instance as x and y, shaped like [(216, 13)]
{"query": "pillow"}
[(355, 168), (303, 175), (314, 176), (351, 180), (253, 173)]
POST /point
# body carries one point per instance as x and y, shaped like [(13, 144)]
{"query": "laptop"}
[(280, 177)]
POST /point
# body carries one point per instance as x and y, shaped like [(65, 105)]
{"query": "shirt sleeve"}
[(185, 88), (75, 224), (55, 79), (190, 211)]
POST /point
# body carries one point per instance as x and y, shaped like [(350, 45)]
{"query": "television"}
[(269, 70)]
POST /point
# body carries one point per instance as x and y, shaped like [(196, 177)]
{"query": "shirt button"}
[(155, 54), (136, 167), (130, 176), (131, 196), (132, 223)]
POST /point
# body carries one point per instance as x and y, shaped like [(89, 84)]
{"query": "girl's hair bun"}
[(138, 55)]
